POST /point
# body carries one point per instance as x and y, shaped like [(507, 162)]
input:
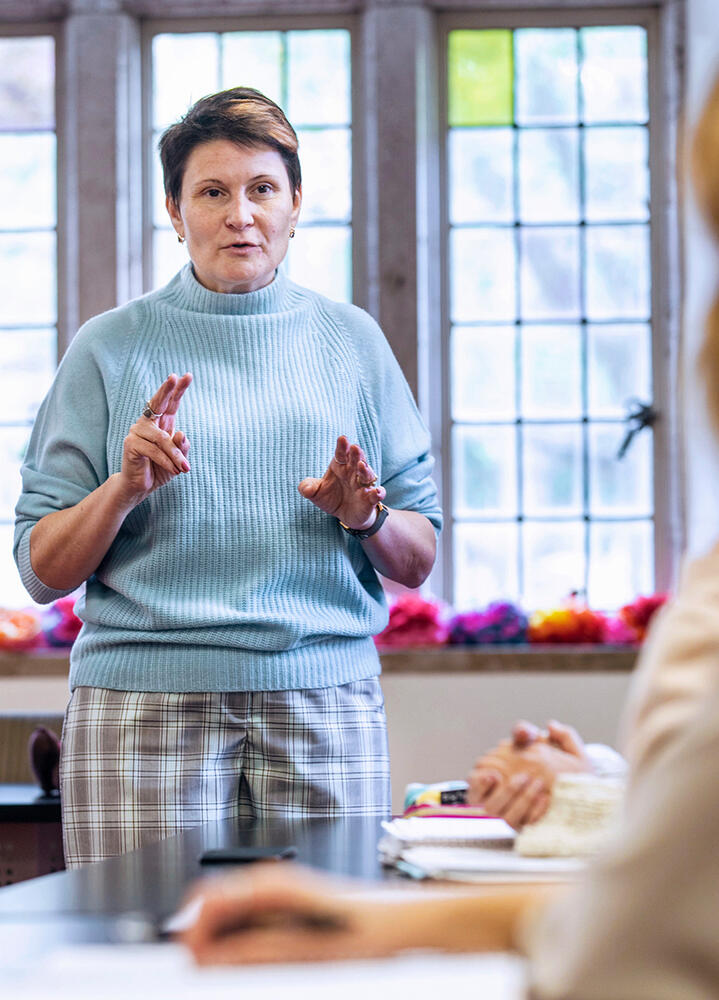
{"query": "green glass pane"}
[(480, 78)]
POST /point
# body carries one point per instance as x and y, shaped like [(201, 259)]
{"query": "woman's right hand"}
[(154, 451)]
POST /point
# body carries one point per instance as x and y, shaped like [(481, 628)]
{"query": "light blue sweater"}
[(226, 579)]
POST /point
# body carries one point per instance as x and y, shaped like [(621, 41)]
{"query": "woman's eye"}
[(214, 192), (264, 188)]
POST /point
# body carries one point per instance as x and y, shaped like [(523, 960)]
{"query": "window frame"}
[(272, 22), (393, 44), (669, 529)]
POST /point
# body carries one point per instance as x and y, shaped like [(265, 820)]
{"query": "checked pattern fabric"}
[(137, 767)]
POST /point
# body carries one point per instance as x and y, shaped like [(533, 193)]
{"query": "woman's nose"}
[(239, 212)]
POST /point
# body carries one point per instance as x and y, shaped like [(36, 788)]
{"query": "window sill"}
[(427, 660)]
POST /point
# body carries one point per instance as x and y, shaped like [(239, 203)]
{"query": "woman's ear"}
[(296, 204), (174, 213)]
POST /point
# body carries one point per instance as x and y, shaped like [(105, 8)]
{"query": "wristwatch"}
[(362, 533)]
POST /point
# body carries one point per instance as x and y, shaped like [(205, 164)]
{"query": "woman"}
[(229, 532), (644, 923)]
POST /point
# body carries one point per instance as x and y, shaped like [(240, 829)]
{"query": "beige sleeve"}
[(645, 922), (678, 665)]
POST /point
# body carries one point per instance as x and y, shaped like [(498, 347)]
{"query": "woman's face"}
[(236, 210)]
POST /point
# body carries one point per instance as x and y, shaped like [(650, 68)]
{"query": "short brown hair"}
[(241, 115)]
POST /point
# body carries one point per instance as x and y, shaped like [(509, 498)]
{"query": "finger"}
[(379, 492), (146, 449), (518, 811), (481, 782), (173, 401), (158, 402), (355, 456), (566, 738), (149, 432), (541, 804), (365, 475), (524, 733), (309, 487), (500, 797), (342, 450), (181, 441)]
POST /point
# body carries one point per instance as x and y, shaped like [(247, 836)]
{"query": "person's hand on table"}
[(515, 779), (348, 489), (280, 912), (155, 451)]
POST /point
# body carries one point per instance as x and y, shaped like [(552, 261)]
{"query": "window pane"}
[(546, 76), (185, 68), (481, 175), (618, 276), (550, 273), (326, 175), (614, 74), (621, 560), (549, 175), (483, 373), (27, 278), (617, 174), (551, 371), (552, 466), (619, 487), (315, 58), (27, 180), (480, 78), (27, 83), (13, 443), (485, 470), (482, 272), (14, 594), (321, 259), (485, 563), (29, 362), (619, 367), (170, 256), (554, 562), (253, 59)]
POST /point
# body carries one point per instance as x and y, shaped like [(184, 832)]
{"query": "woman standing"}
[(228, 530)]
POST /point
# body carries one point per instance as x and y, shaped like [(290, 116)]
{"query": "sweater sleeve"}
[(67, 455), (405, 443)]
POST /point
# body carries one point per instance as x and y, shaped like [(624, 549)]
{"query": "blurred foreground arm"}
[(281, 913)]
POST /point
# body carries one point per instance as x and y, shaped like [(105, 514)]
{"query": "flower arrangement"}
[(500, 622), (413, 621)]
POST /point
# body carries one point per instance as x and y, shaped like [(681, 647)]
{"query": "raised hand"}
[(348, 489), (154, 451)]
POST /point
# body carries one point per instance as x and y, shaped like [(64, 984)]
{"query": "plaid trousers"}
[(140, 766)]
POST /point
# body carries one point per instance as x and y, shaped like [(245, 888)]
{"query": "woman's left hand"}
[(347, 490)]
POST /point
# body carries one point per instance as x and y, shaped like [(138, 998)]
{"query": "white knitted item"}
[(579, 820)]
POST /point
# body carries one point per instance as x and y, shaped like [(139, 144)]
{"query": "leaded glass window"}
[(550, 313), (28, 266), (293, 68)]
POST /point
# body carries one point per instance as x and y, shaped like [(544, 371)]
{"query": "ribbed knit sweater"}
[(227, 579)]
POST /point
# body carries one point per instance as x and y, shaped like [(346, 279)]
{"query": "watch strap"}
[(362, 533)]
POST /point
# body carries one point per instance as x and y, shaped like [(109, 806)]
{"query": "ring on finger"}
[(150, 413), (366, 485)]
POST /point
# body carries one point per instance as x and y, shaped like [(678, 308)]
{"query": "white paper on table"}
[(450, 830), (156, 972), (483, 864)]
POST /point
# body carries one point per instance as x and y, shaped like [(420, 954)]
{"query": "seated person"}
[(514, 780)]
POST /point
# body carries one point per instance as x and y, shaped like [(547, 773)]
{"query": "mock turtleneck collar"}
[(195, 297)]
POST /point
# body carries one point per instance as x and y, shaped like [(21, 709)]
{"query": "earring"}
[(292, 233), (180, 239)]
